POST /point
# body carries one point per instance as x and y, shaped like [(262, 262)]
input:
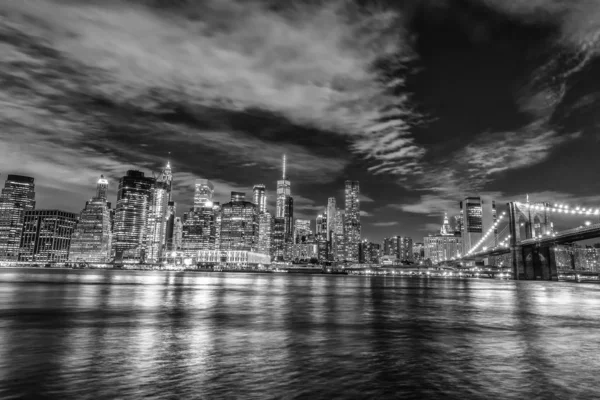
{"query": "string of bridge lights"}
[(563, 208), (488, 233)]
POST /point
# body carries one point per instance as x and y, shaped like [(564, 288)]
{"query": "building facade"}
[(239, 225), (17, 197), (199, 229), (339, 250), (352, 227), (259, 197), (443, 246), (265, 233), (204, 191), (131, 217), (46, 235), (92, 237), (370, 252), (158, 216)]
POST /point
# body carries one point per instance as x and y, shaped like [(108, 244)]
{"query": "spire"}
[(445, 229), (101, 188), (284, 167)]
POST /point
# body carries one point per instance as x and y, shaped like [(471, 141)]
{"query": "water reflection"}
[(129, 334)]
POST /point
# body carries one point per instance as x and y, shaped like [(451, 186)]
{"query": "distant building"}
[(331, 237), (46, 235), (352, 227), (305, 251), (177, 233), (370, 252), (259, 197), (17, 197), (204, 191), (199, 231), (442, 246), (278, 239), (131, 217), (302, 231), (285, 205), (400, 247), (265, 233), (478, 216), (92, 237), (239, 225), (340, 249), (418, 251), (158, 216)]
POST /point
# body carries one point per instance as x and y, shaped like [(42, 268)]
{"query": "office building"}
[(339, 250), (352, 227), (239, 225), (369, 252), (285, 204), (17, 197), (204, 191), (169, 236), (472, 222), (259, 198), (265, 232), (278, 239), (418, 252), (92, 237), (321, 226), (177, 233), (442, 246), (158, 216), (199, 230), (399, 247), (302, 231), (134, 198), (46, 235)]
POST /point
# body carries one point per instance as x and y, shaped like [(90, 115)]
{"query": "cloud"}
[(365, 199), (315, 65), (384, 224), (365, 214)]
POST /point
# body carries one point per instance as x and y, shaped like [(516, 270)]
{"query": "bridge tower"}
[(528, 220)]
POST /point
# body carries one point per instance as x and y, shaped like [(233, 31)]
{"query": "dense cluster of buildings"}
[(143, 226)]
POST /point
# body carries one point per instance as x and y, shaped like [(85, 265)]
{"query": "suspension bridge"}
[(526, 233)]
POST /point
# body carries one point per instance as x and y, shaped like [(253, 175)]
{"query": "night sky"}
[(423, 102)]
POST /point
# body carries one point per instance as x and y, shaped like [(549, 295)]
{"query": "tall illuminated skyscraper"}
[(92, 237), (472, 217), (131, 217), (203, 193), (352, 221), (259, 197), (331, 211), (17, 197), (285, 204), (158, 215)]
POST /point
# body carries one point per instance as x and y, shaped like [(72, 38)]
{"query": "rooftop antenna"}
[(284, 167)]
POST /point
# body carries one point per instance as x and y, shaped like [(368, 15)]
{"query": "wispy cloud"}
[(384, 224)]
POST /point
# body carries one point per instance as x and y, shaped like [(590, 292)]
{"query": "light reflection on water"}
[(129, 334)]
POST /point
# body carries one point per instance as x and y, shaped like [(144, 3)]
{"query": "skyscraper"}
[(340, 251), (239, 225), (321, 226), (352, 221), (472, 222), (285, 204), (101, 188), (331, 238), (203, 192), (259, 197), (17, 197), (158, 215), (131, 217), (91, 240), (46, 235), (278, 239), (265, 231), (442, 246), (199, 230)]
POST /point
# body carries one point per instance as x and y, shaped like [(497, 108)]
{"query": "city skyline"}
[(109, 106)]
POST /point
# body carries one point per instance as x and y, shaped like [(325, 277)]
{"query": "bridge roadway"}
[(568, 236)]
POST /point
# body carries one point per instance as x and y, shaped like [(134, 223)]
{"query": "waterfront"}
[(153, 334)]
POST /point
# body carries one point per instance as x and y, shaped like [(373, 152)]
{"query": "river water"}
[(90, 334)]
